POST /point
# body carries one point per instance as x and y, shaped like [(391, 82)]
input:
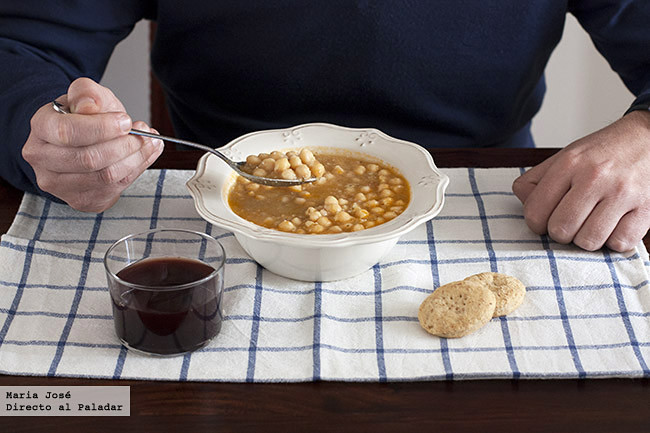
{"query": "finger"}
[(571, 213), (526, 183), (599, 225), (544, 198), (123, 169), (85, 96), (86, 159), (78, 129), (629, 231), (67, 184)]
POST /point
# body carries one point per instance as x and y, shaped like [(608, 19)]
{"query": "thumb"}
[(85, 96)]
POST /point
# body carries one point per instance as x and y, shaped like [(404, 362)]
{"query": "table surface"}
[(596, 405)]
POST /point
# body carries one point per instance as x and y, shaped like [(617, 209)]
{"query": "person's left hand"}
[(595, 191)]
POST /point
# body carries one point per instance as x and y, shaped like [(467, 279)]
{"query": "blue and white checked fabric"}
[(586, 314)]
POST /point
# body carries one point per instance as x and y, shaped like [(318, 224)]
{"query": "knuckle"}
[(85, 202), (619, 245), (109, 175), (536, 222), (559, 233), (45, 183), (588, 243), (81, 84), (64, 131), (89, 159)]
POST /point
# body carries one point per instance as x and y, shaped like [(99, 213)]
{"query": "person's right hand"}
[(87, 158)]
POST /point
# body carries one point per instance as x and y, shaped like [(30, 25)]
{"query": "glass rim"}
[(183, 286)]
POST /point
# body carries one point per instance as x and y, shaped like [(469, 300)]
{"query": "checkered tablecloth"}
[(586, 314)]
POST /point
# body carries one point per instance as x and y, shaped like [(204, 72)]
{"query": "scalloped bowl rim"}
[(223, 217)]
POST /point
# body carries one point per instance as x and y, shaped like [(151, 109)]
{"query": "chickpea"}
[(260, 197), (299, 200), (357, 227), (399, 203), (316, 228), (360, 197), (286, 226), (259, 172), (390, 215), (373, 168), (307, 157), (365, 189), (360, 169), (302, 171), (377, 210), (268, 164), (288, 174), (372, 203), (296, 221), (277, 155), (285, 199), (281, 165), (386, 193), (382, 186), (342, 217), (318, 169), (387, 201), (338, 169), (361, 213), (252, 186), (263, 156), (395, 181), (383, 172), (315, 215), (253, 160), (324, 221), (335, 229), (295, 161)]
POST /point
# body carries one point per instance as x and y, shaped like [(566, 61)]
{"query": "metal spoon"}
[(237, 166)]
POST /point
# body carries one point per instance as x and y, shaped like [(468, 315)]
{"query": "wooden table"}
[(598, 405)]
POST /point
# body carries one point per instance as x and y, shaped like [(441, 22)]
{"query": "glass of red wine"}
[(166, 287)]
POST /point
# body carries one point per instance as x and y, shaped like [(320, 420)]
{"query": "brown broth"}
[(274, 207)]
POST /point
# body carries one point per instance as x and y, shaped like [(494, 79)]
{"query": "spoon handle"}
[(64, 110), (184, 142)]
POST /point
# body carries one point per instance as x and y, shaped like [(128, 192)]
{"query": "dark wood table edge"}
[(595, 405)]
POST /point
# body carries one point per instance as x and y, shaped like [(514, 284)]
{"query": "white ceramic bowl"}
[(319, 257)]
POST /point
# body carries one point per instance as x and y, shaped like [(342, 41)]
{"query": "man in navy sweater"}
[(441, 73)]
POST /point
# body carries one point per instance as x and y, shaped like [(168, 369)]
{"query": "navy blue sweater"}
[(442, 73)]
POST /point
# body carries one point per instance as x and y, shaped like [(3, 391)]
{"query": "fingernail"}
[(158, 143), (125, 123)]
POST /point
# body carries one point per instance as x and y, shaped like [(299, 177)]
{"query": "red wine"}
[(167, 320)]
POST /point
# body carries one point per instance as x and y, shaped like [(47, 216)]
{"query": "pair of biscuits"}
[(462, 307)]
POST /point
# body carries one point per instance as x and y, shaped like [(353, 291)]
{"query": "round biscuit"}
[(509, 291), (456, 309)]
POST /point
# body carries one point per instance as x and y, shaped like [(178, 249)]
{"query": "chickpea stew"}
[(353, 192)]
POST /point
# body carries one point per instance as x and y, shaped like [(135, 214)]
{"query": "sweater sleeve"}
[(620, 32), (44, 46)]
